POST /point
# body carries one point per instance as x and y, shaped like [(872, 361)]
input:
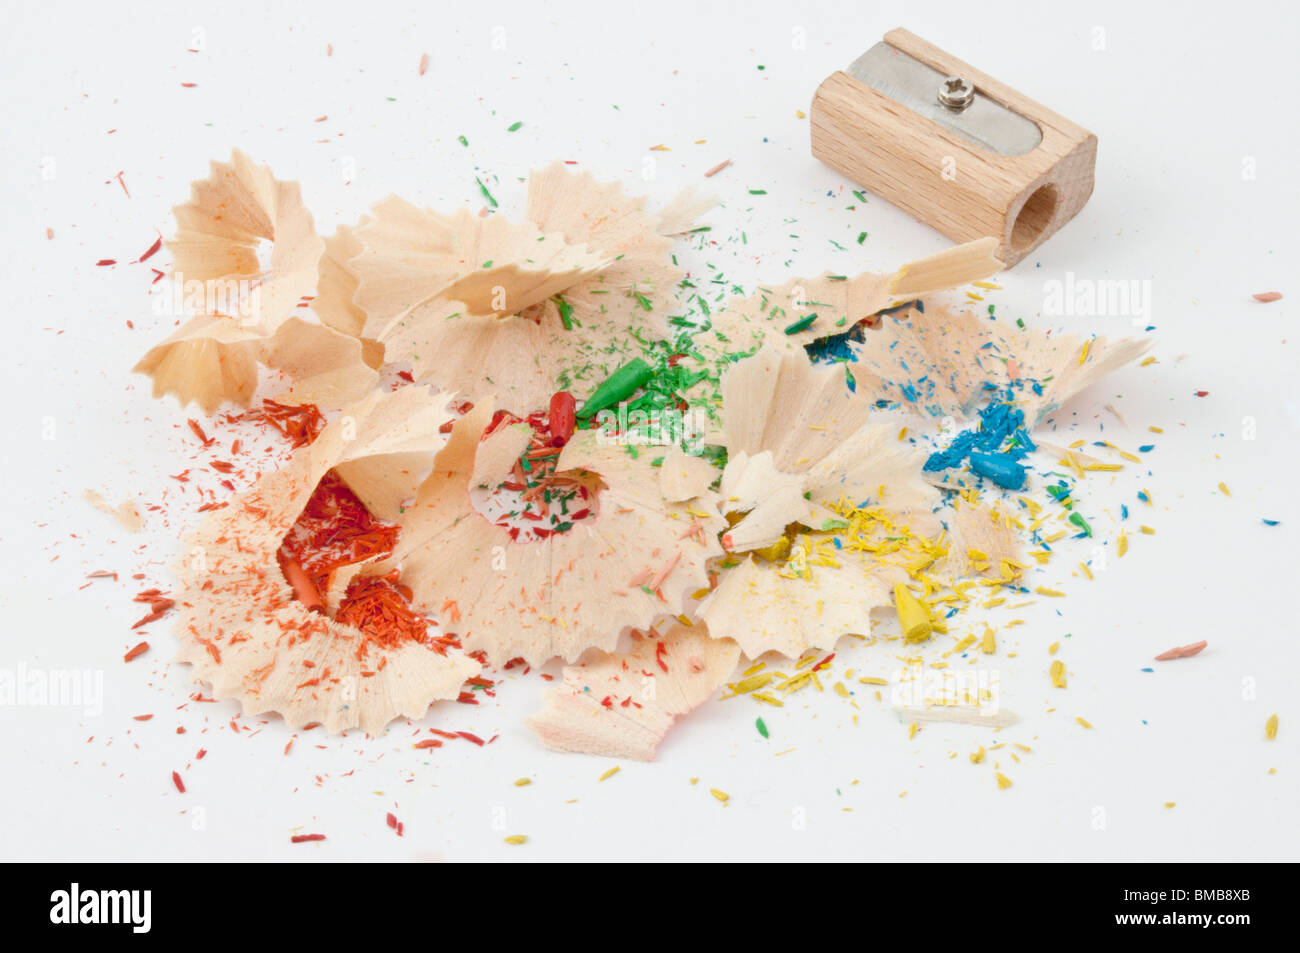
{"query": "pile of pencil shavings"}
[(523, 453)]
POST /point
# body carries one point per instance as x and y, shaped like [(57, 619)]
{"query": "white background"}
[(1179, 97)]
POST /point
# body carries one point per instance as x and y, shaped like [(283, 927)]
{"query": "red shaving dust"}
[(335, 530), (380, 606), (301, 424), (558, 499)]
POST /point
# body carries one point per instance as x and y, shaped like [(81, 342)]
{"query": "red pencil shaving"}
[(1182, 651), (717, 168), (305, 838), (1267, 296)]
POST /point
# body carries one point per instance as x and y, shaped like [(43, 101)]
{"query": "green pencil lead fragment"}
[(513, 126), (486, 194), (462, 140), (566, 312), (762, 728), (620, 385), (1077, 519), (862, 237), (803, 324)]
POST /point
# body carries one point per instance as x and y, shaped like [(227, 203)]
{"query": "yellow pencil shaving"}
[(1123, 544), (977, 757), (610, 773), (1044, 591), (722, 796), (1223, 488), (1057, 672), (987, 285), (1084, 721), (523, 782), (1051, 649), (1147, 530), (1156, 429), (1147, 362), (516, 839), (753, 683), (989, 644), (872, 680), (913, 615), (911, 731), (1004, 782), (1270, 727)]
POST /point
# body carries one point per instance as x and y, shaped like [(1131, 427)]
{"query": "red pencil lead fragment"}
[(1182, 651)]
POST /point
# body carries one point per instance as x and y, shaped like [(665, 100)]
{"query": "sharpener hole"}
[(1034, 217)]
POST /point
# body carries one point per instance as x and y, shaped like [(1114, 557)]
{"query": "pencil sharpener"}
[(967, 155)]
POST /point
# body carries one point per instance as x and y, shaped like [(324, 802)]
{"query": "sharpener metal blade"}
[(913, 84)]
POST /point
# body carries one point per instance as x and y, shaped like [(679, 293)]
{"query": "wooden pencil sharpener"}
[(960, 151)]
